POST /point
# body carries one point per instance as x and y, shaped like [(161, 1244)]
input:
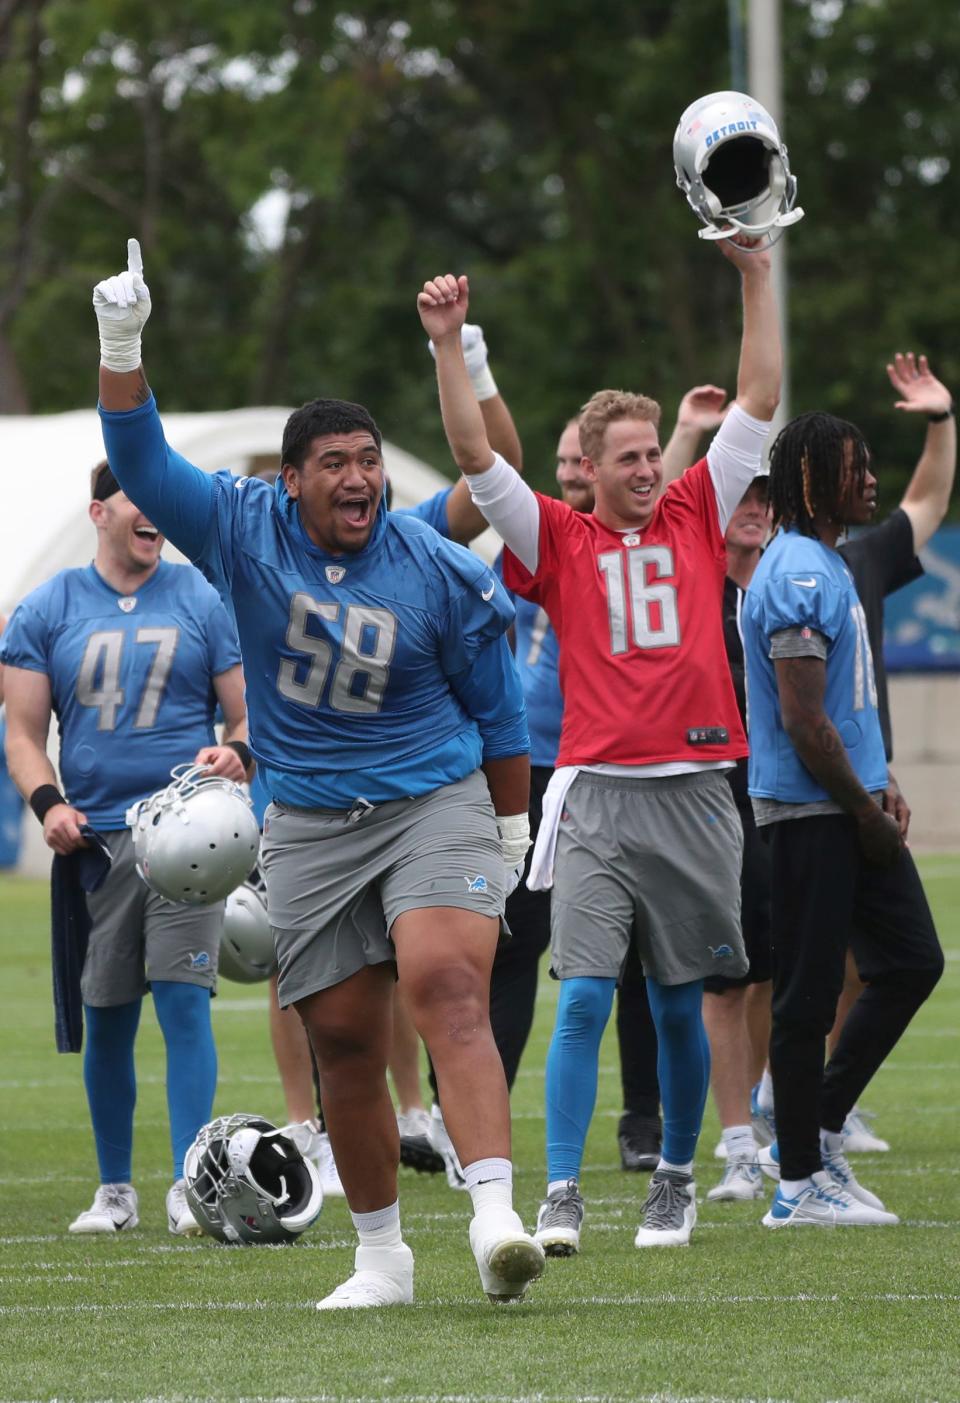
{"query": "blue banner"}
[(922, 622)]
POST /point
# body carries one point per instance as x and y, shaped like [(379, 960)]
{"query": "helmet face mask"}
[(196, 840), (734, 169), (247, 1183)]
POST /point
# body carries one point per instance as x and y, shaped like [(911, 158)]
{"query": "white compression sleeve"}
[(511, 509), (734, 458)]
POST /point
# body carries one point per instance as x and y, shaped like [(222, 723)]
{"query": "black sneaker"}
[(640, 1138), (416, 1151)]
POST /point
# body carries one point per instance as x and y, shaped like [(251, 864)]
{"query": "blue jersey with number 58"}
[(377, 674), (802, 584), (131, 678)]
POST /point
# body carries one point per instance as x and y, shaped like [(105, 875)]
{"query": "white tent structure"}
[(45, 463)]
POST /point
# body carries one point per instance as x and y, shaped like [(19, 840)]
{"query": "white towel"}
[(540, 876)]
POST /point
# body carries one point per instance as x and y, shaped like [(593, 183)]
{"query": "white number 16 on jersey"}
[(653, 607)]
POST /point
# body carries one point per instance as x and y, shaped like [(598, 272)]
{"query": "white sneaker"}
[(741, 1180), (670, 1211), (441, 1142), (180, 1219), (768, 1158), (383, 1276), (720, 1149), (858, 1138), (507, 1258), (824, 1205), (114, 1208), (315, 1145), (838, 1167)]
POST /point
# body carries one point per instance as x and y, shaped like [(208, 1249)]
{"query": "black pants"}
[(825, 898), (638, 1040), (513, 982)]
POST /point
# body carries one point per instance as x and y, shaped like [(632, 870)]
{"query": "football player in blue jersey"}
[(388, 725), (817, 775), (132, 655)]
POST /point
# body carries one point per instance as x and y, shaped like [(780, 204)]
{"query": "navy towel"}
[(70, 878)]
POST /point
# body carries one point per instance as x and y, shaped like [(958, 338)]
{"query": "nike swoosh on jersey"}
[(805, 584), (487, 594)]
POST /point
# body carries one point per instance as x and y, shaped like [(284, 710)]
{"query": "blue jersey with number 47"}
[(802, 584), (131, 678), (377, 674)]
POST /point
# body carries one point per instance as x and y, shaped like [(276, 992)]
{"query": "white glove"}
[(475, 356), (122, 305), (514, 830)]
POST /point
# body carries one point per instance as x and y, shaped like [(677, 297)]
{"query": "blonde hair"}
[(606, 407)]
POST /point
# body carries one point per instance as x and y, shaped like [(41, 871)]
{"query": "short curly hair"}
[(323, 416), (606, 407)]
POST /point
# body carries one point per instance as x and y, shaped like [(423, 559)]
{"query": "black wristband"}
[(939, 418), (243, 750), (44, 798)]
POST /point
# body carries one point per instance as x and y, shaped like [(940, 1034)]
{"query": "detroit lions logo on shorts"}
[(722, 952), (476, 884), (200, 961)]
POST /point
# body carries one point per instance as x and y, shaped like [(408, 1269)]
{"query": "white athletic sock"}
[(791, 1188), (765, 1092), (490, 1182), (675, 1168), (556, 1185), (740, 1142), (381, 1228)]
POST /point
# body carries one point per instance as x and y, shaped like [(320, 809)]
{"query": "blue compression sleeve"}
[(111, 1083), (183, 1012), (683, 1064), (572, 1062), (176, 496)]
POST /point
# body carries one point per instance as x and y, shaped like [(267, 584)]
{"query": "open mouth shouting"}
[(356, 511)]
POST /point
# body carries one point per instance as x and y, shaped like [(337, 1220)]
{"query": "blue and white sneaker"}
[(764, 1129), (858, 1136), (768, 1159), (838, 1167), (824, 1205)]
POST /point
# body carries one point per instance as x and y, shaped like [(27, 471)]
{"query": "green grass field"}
[(741, 1314)]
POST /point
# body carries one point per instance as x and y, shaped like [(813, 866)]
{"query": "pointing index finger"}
[(134, 257)]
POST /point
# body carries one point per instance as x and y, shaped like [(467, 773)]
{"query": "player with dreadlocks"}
[(843, 876)]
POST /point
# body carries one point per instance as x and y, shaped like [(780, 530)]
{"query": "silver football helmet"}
[(733, 168), (246, 1182), (247, 953), (196, 840)]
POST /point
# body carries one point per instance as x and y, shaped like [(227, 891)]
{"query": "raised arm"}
[(465, 520), (760, 372), (174, 494), (504, 499), (701, 409), (928, 493)]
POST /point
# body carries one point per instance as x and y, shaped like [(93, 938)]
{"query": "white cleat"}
[(314, 1144), (383, 1276), (670, 1211), (741, 1181), (180, 1219), (114, 1208), (824, 1205), (440, 1142), (858, 1138), (720, 1149), (507, 1258)]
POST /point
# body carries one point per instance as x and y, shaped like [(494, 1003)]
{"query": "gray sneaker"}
[(558, 1222), (669, 1212)]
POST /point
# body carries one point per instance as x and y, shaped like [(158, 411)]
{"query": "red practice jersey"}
[(643, 665)]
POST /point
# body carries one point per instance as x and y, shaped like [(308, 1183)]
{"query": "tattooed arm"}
[(802, 683)]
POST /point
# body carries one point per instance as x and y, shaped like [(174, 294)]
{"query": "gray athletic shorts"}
[(335, 884), (137, 936), (651, 860)]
